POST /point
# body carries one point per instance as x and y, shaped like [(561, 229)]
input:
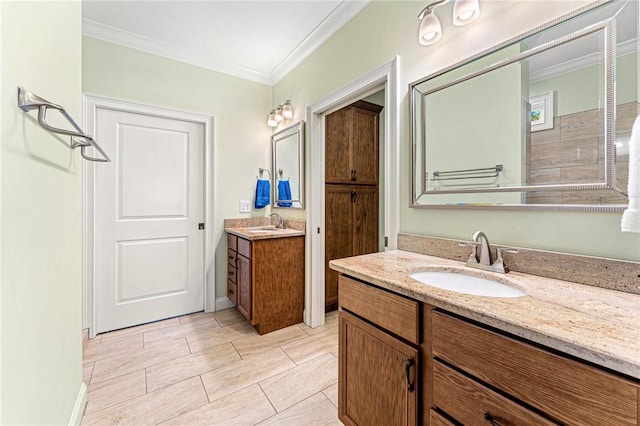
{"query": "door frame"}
[(91, 103), (384, 76)]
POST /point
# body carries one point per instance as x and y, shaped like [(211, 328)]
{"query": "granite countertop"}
[(263, 232), (595, 324)]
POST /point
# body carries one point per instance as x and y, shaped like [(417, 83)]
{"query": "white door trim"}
[(90, 105), (387, 76)]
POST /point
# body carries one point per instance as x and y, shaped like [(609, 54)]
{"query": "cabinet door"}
[(365, 221), (244, 287), (376, 376), (337, 128), (364, 146), (338, 244)]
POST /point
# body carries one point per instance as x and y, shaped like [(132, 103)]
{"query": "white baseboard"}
[(78, 408), (223, 303)]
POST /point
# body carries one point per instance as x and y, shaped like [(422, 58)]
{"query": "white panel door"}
[(149, 202)]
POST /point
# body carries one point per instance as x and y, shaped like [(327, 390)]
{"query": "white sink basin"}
[(467, 284)]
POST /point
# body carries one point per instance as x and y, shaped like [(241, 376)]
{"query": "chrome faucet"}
[(485, 260), (280, 221)]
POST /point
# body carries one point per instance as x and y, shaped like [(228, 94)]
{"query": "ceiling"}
[(259, 40)]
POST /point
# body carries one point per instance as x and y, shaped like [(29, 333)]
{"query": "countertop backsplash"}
[(611, 274)]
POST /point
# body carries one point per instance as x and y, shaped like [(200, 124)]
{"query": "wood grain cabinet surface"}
[(351, 144), (351, 190), (563, 390), (269, 281), (378, 378), (465, 373)]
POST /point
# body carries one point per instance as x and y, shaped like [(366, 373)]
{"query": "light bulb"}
[(287, 110), (278, 115), (271, 121), (465, 11), (430, 29)]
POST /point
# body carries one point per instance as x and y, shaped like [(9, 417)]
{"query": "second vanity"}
[(265, 275), (410, 353)]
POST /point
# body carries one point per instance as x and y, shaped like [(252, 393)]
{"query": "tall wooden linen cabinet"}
[(351, 190)]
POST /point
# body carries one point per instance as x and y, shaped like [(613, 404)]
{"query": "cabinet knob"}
[(230, 291), (231, 273)]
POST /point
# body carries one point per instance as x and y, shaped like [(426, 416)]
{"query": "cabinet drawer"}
[(232, 292), (436, 419), (244, 247), (231, 257), (470, 403), (569, 391), (232, 242), (390, 311), (232, 274)]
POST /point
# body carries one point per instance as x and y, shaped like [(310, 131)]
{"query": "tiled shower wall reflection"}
[(573, 152)]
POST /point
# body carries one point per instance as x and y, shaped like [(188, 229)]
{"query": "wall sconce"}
[(430, 31), (281, 113)]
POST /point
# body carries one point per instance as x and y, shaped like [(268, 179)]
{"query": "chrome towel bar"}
[(28, 101)]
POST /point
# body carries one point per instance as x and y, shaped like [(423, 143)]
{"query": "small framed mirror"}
[(287, 151)]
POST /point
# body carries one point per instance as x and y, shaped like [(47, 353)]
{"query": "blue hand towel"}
[(284, 193), (263, 193)]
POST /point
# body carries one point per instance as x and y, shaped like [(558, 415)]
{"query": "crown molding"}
[(622, 49), (332, 23), (125, 38)]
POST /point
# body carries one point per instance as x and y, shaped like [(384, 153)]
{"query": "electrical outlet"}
[(245, 206)]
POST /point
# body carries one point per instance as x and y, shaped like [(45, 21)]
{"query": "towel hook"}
[(261, 170)]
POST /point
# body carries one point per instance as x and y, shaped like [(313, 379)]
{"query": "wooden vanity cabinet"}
[(378, 378), (269, 286), (462, 372)]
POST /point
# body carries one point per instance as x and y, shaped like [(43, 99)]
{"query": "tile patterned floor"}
[(213, 369)]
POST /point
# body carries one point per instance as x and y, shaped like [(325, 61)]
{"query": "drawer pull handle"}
[(407, 373), (488, 417), (230, 273), (230, 291)]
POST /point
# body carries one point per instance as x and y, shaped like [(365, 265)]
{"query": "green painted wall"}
[(240, 108), (581, 90), (388, 28), (40, 218)]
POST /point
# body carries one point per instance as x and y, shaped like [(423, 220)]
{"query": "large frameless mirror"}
[(542, 121), (287, 150)]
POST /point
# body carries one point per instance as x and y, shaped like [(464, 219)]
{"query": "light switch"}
[(245, 206)]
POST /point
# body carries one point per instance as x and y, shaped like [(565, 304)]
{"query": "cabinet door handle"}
[(353, 175), (353, 196), (231, 273), (488, 417), (407, 372), (230, 291)]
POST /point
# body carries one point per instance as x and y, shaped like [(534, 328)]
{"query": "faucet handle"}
[(499, 265), (473, 257)]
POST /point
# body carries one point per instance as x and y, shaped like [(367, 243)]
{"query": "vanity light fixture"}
[(465, 12), (430, 31), (280, 113), (271, 121)]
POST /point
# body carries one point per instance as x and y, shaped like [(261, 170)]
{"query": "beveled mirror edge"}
[(609, 136), (291, 129)]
